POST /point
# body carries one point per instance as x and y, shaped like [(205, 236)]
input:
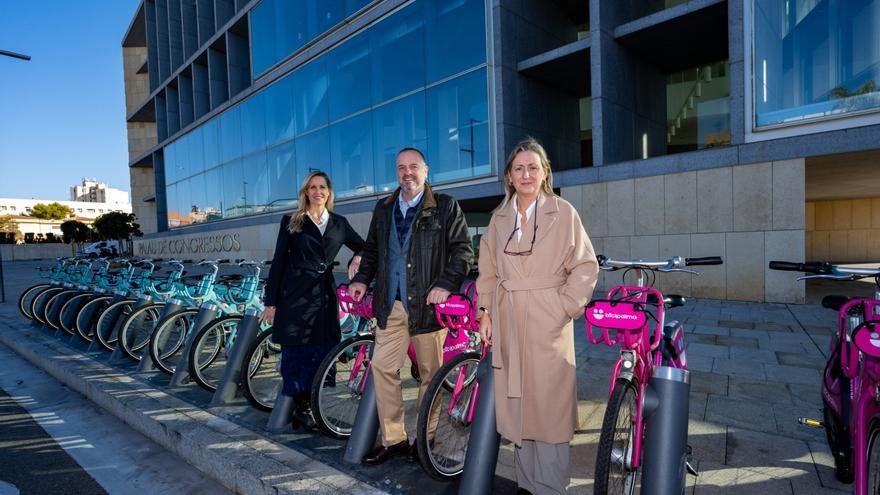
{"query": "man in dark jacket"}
[(418, 252)]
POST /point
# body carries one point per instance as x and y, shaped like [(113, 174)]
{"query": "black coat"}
[(440, 255), (304, 298)]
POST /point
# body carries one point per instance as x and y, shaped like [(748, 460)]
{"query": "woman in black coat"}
[(300, 295)]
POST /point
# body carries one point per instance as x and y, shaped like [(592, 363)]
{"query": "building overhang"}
[(566, 67)]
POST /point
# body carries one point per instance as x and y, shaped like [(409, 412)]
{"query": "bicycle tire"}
[(205, 363), (260, 378), (53, 307), (873, 464), (133, 333), (609, 460), (38, 303), (334, 407), (442, 457), (87, 316), (71, 307), (26, 297), (111, 317), (160, 352)]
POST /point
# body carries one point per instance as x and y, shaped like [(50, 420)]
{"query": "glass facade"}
[(814, 59), (416, 78), (698, 108)]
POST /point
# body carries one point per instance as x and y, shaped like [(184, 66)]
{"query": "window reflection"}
[(398, 51), (234, 190), (198, 198), (351, 153), (283, 180), (397, 125)]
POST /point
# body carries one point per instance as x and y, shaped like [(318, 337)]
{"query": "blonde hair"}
[(296, 220), (528, 144)]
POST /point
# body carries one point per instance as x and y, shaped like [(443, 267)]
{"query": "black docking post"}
[(484, 441), (207, 312), (366, 426), (665, 448), (247, 331)]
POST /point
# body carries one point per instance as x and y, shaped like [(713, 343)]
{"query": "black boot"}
[(303, 411)]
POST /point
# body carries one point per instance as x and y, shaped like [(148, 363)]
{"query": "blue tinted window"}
[(396, 125), (195, 143), (398, 53), (172, 210), (277, 30), (352, 6), (455, 33), (815, 59), (170, 161), (351, 155), (283, 181), (234, 192), (256, 182), (279, 111), (214, 200), (253, 123), (313, 153), (198, 199), (310, 95), (458, 130), (211, 147), (349, 75), (230, 134), (321, 15), (181, 161)]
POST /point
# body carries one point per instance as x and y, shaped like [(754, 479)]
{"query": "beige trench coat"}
[(531, 301)]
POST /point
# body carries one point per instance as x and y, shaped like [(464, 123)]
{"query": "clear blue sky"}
[(62, 115)]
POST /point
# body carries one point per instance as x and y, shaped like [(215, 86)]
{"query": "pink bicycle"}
[(851, 381), (339, 383), (634, 316)]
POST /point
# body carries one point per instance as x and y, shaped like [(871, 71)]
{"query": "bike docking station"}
[(207, 312), (366, 424), (116, 356), (665, 459), (146, 363), (247, 331), (484, 441)]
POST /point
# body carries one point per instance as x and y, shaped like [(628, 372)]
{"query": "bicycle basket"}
[(618, 315)]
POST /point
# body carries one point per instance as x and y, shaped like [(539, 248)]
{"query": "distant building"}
[(92, 191), (82, 209)]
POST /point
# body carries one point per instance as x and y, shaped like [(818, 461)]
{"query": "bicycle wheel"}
[(26, 297), (53, 308), (71, 307), (445, 411), (207, 356), (338, 385), (133, 333), (109, 320), (614, 472), (87, 316), (260, 377), (38, 303), (168, 338), (874, 457)]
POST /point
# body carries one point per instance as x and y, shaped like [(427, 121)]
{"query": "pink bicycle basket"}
[(618, 315)]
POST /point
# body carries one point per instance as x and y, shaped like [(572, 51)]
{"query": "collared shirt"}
[(405, 205), (529, 211), (322, 222)]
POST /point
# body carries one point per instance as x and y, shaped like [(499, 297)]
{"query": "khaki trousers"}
[(392, 343), (543, 468)]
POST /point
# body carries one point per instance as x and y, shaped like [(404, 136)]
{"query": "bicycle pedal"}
[(812, 423)]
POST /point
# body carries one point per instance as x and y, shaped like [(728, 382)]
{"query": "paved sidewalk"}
[(755, 369)]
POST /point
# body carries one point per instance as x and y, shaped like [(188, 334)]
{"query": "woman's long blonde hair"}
[(296, 220), (527, 144)]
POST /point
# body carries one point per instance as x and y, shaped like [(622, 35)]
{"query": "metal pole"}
[(366, 426), (484, 441), (116, 356), (2, 282), (665, 455), (246, 332), (206, 313), (282, 411)]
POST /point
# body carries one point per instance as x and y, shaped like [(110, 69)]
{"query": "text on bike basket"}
[(618, 315)]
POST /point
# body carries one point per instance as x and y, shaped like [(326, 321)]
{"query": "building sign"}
[(218, 243)]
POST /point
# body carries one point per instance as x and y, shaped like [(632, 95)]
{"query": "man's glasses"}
[(534, 236)]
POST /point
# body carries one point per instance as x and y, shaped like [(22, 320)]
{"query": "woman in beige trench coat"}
[(537, 271)]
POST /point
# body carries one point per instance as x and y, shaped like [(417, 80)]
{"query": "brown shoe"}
[(382, 453)]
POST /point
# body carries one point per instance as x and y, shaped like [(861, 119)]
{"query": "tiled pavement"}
[(755, 369)]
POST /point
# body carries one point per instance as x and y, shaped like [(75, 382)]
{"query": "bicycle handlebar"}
[(708, 260), (824, 269)]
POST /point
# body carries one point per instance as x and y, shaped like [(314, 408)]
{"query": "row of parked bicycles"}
[(147, 310)]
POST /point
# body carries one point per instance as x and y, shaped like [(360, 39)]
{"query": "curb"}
[(240, 459)]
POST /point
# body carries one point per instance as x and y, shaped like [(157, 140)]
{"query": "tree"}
[(9, 230), (75, 231), (115, 226), (51, 211)]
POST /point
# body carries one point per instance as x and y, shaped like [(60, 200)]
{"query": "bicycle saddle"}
[(835, 302)]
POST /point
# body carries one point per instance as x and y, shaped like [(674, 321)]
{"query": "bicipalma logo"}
[(600, 314)]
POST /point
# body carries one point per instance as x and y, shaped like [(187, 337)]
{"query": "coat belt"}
[(518, 328)]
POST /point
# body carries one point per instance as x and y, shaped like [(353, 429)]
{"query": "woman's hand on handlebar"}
[(268, 315), (486, 329), (357, 291)]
